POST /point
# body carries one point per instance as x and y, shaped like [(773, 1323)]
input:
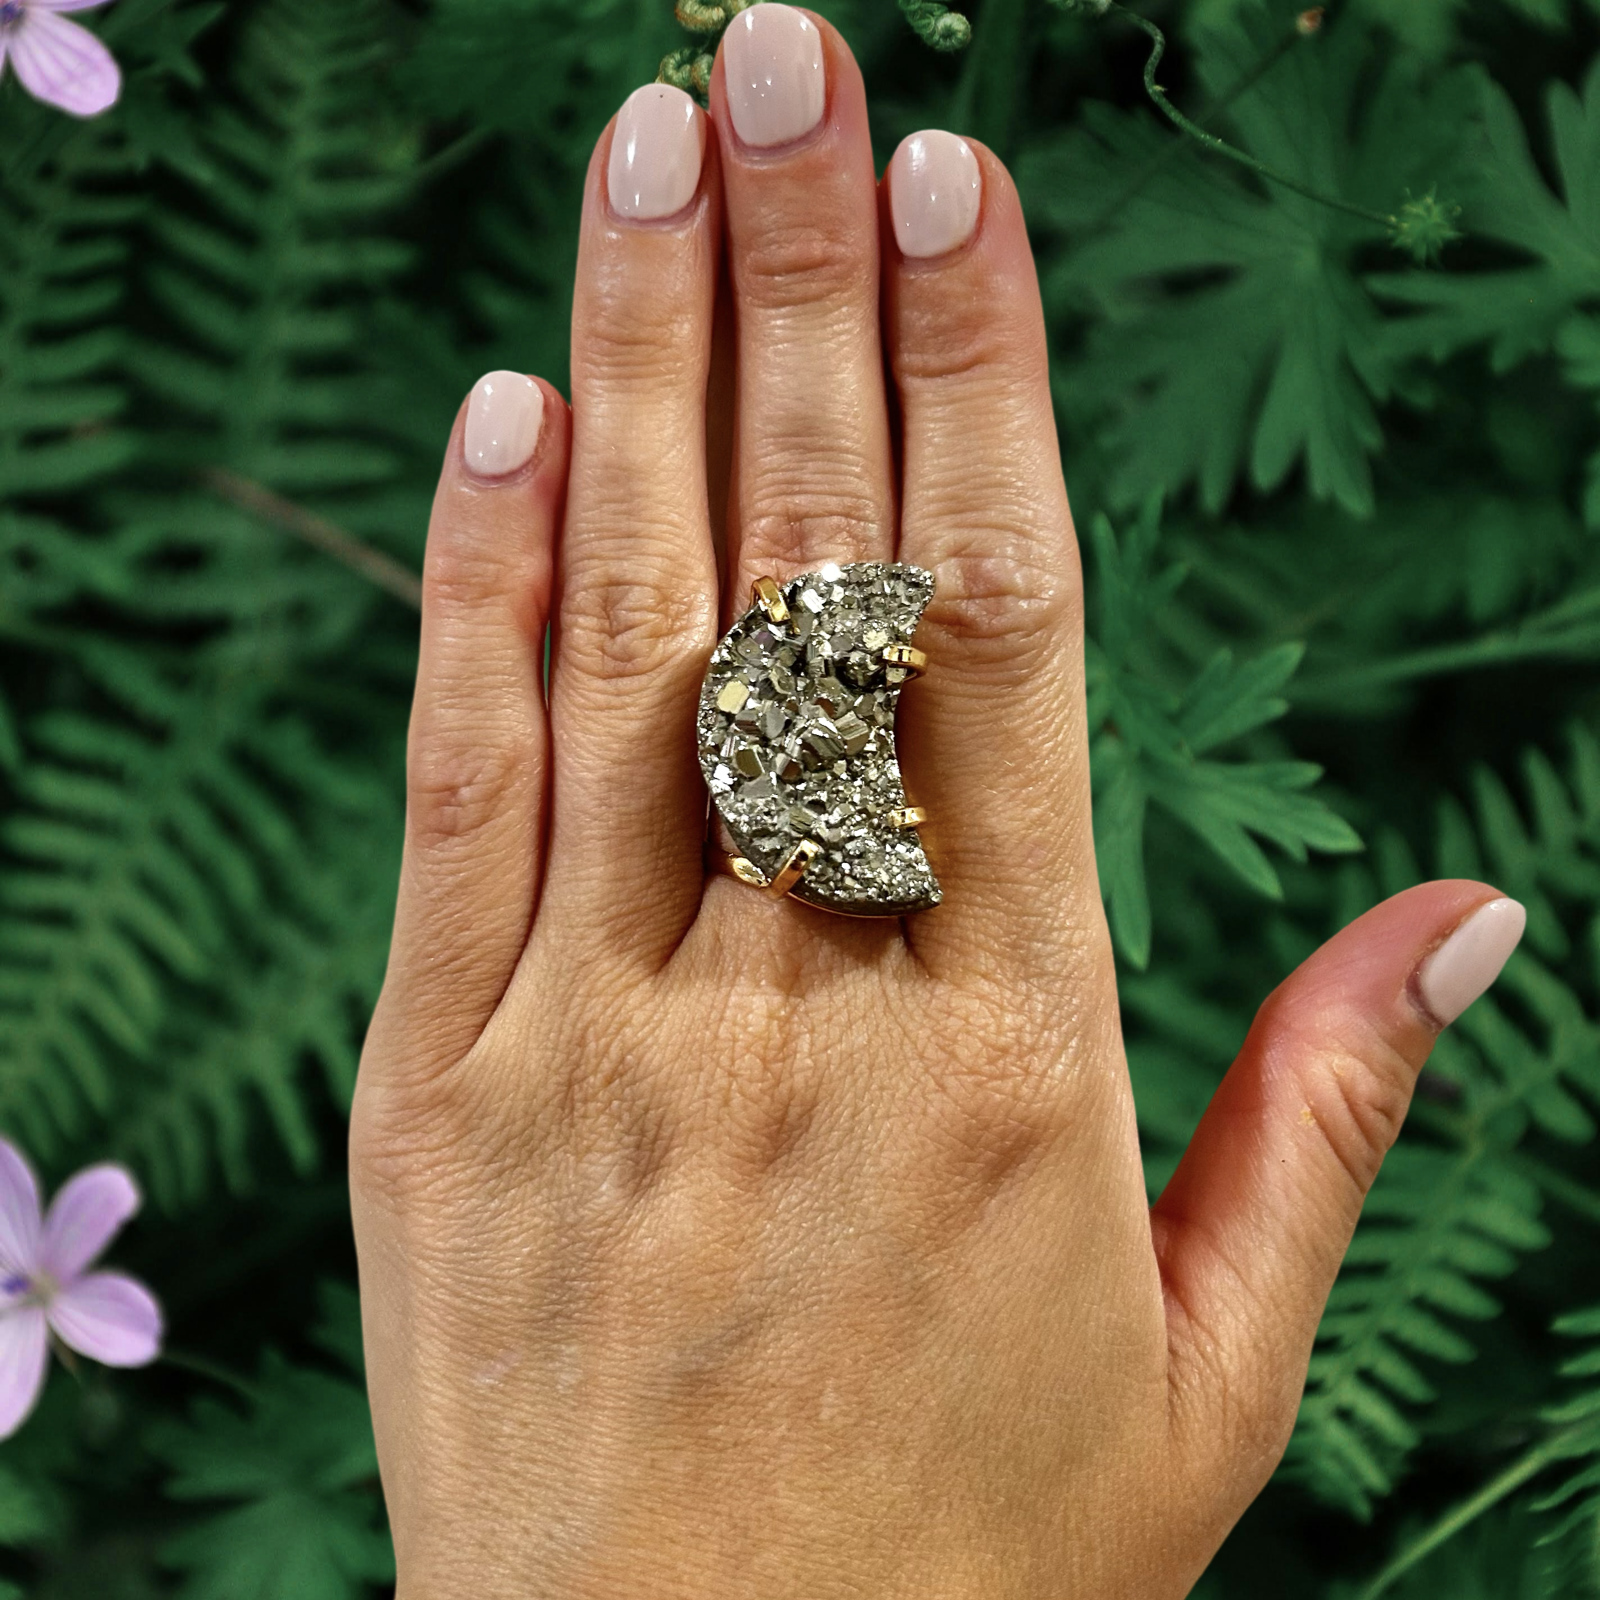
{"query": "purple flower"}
[(56, 60), (45, 1286)]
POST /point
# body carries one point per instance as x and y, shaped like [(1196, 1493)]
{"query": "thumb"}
[(1252, 1228)]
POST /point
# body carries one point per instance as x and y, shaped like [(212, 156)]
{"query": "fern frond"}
[(1437, 1226), (1561, 1562), (157, 864), (298, 1000), (269, 279), (63, 249), (1576, 1441)]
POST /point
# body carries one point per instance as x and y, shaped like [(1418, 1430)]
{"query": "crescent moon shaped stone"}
[(796, 737)]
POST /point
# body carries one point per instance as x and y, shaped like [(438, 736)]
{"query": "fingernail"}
[(772, 64), (935, 190), (656, 153), (1471, 958), (503, 419)]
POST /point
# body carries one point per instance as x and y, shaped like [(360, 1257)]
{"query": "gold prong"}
[(793, 868), (913, 660), (769, 597), (908, 817), (747, 872)]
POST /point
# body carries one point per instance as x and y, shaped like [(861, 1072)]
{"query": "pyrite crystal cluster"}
[(796, 736)]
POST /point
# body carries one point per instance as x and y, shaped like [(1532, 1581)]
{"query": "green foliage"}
[(1521, 310), (1447, 1217), (1354, 360), (1277, 357), (1499, 1559), (174, 830), (1149, 742), (1576, 1442), (936, 25), (298, 1471)]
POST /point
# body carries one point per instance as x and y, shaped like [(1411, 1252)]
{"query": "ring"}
[(797, 743)]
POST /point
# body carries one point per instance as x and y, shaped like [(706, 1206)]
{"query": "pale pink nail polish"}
[(772, 64), (656, 151), (935, 190), (504, 416), (1471, 958)]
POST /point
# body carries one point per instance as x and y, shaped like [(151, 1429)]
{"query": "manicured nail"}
[(772, 61), (935, 190), (503, 419), (1471, 958), (656, 151)]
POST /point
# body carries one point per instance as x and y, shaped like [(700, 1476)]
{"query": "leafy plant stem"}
[(452, 155), (1246, 82), (1576, 1197), (204, 1368), (1462, 1516), (1550, 633), (1221, 147), (373, 565)]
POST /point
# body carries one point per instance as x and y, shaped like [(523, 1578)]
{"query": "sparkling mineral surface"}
[(796, 736)]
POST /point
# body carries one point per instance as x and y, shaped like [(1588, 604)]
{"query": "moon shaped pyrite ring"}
[(796, 739)]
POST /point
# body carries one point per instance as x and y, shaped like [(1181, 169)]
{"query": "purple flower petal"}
[(19, 1213), (64, 5), (108, 1317), (84, 1217), (58, 61), (24, 1351)]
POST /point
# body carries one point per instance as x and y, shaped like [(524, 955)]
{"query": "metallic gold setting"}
[(908, 817), (794, 868), (912, 661), (766, 594), (746, 871)]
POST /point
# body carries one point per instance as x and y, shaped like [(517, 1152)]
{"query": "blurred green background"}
[(1334, 448)]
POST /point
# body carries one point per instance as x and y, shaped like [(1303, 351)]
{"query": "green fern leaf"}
[(158, 865), (1577, 1424)]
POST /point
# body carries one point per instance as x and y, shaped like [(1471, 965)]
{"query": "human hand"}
[(711, 1245)]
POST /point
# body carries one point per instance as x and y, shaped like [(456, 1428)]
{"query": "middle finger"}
[(813, 475)]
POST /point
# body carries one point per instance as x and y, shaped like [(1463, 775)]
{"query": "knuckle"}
[(618, 347), (814, 260), (617, 1133), (978, 340), (623, 621), (1249, 1434), (1234, 1412), (770, 1112), (1358, 1115), (477, 569), (420, 1135), (1355, 1096), (631, 326), (459, 787), (1002, 599), (1002, 1092), (798, 529), (1258, 1418)]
